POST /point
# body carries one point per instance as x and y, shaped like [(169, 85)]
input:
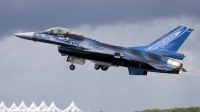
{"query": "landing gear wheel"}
[(97, 67), (104, 68), (71, 67)]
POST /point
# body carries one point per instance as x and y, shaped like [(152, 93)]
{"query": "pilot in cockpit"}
[(59, 31)]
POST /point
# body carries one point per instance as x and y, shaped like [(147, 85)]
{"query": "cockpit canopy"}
[(59, 31)]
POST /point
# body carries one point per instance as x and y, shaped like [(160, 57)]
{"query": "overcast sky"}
[(33, 71)]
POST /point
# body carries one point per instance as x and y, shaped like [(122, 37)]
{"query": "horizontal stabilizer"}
[(136, 71), (161, 66), (170, 54)]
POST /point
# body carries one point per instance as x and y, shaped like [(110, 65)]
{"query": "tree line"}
[(189, 109)]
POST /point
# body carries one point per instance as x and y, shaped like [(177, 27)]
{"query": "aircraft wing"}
[(95, 49)]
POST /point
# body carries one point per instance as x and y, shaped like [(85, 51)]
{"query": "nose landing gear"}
[(71, 67), (76, 60)]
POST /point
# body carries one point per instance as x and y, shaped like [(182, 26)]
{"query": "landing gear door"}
[(76, 60)]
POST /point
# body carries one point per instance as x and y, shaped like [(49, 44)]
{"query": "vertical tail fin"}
[(172, 40)]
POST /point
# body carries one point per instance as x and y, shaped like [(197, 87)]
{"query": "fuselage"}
[(73, 45), (138, 60)]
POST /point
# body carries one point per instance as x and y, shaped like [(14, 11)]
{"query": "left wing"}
[(97, 49)]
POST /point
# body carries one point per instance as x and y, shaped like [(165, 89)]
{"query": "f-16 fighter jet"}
[(159, 56)]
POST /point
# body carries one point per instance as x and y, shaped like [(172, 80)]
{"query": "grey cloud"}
[(39, 15)]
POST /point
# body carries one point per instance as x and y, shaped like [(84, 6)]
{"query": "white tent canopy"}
[(42, 107)]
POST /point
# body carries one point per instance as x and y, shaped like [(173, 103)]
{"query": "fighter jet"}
[(159, 56)]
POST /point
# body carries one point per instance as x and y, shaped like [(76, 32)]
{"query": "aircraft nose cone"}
[(27, 35)]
